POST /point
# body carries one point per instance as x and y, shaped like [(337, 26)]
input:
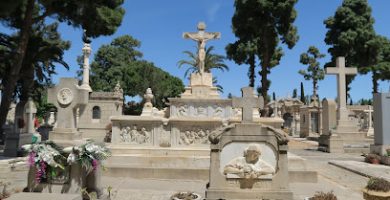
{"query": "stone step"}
[(193, 151), (160, 161), (118, 170)]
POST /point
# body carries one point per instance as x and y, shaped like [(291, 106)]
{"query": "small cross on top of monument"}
[(248, 102), (201, 37)]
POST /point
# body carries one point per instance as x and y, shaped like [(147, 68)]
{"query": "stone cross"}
[(247, 103), (201, 37), (341, 71), (67, 96), (86, 53)]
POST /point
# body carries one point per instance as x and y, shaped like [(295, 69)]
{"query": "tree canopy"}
[(121, 61), (211, 61), (261, 25), (97, 17), (351, 34), (314, 72)]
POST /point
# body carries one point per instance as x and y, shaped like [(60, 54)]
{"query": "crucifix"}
[(247, 103), (201, 37), (341, 71)]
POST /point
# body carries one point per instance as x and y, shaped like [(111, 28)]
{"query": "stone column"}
[(86, 53)]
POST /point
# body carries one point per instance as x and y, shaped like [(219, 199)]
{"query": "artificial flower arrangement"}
[(51, 161), (47, 158), (89, 155)]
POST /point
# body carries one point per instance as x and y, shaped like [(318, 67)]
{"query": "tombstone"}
[(381, 123), (248, 160), (327, 142), (67, 96), (328, 116), (22, 132)]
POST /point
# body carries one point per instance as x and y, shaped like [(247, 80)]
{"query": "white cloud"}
[(212, 11)]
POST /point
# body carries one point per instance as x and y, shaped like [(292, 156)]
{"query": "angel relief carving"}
[(191, 137)]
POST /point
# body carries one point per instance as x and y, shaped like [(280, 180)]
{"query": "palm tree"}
[(212, 61)]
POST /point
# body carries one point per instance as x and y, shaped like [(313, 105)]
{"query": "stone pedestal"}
[(77, 180), (331, 144), (201, 86)]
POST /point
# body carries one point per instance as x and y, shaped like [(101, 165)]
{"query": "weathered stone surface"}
[(381, 123)]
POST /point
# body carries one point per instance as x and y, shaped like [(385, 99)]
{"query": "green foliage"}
[(244, 52), (260, 26), (365, 102), (324, 196), (351, 34), (378, 184), (122, 61), (303, 100), (211, 61), (314, 72), (97, 17), (295, 93)]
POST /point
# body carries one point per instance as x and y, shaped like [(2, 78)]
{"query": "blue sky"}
[(159, 26)]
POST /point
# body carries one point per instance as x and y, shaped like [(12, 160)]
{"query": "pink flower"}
[(31, 158), (94, 164)]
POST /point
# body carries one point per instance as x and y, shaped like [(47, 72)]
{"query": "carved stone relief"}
[(196, 136), (135, 136)]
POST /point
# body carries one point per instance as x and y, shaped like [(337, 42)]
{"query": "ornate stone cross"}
[(201, 37), (247, 103), (67, 96), (341, 71)]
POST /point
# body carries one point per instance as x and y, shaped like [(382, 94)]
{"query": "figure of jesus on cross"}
[(201, 37)]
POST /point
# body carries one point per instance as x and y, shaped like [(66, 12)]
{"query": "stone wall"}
[(109, 104)]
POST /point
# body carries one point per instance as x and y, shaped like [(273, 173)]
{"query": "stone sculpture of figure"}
[(125, 135), (148, 96), (133, 134), (145, 134), (118, 88), (250, 165), (201, 37), (186, 138)]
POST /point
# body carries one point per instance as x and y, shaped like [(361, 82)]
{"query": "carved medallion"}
[(65, 96)]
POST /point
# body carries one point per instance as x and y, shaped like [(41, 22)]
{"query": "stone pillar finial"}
[(148, 96), (86, 53)]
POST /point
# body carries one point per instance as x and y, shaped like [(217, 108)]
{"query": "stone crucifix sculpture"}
[(341, 71), (247, 103), (201, 37)]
